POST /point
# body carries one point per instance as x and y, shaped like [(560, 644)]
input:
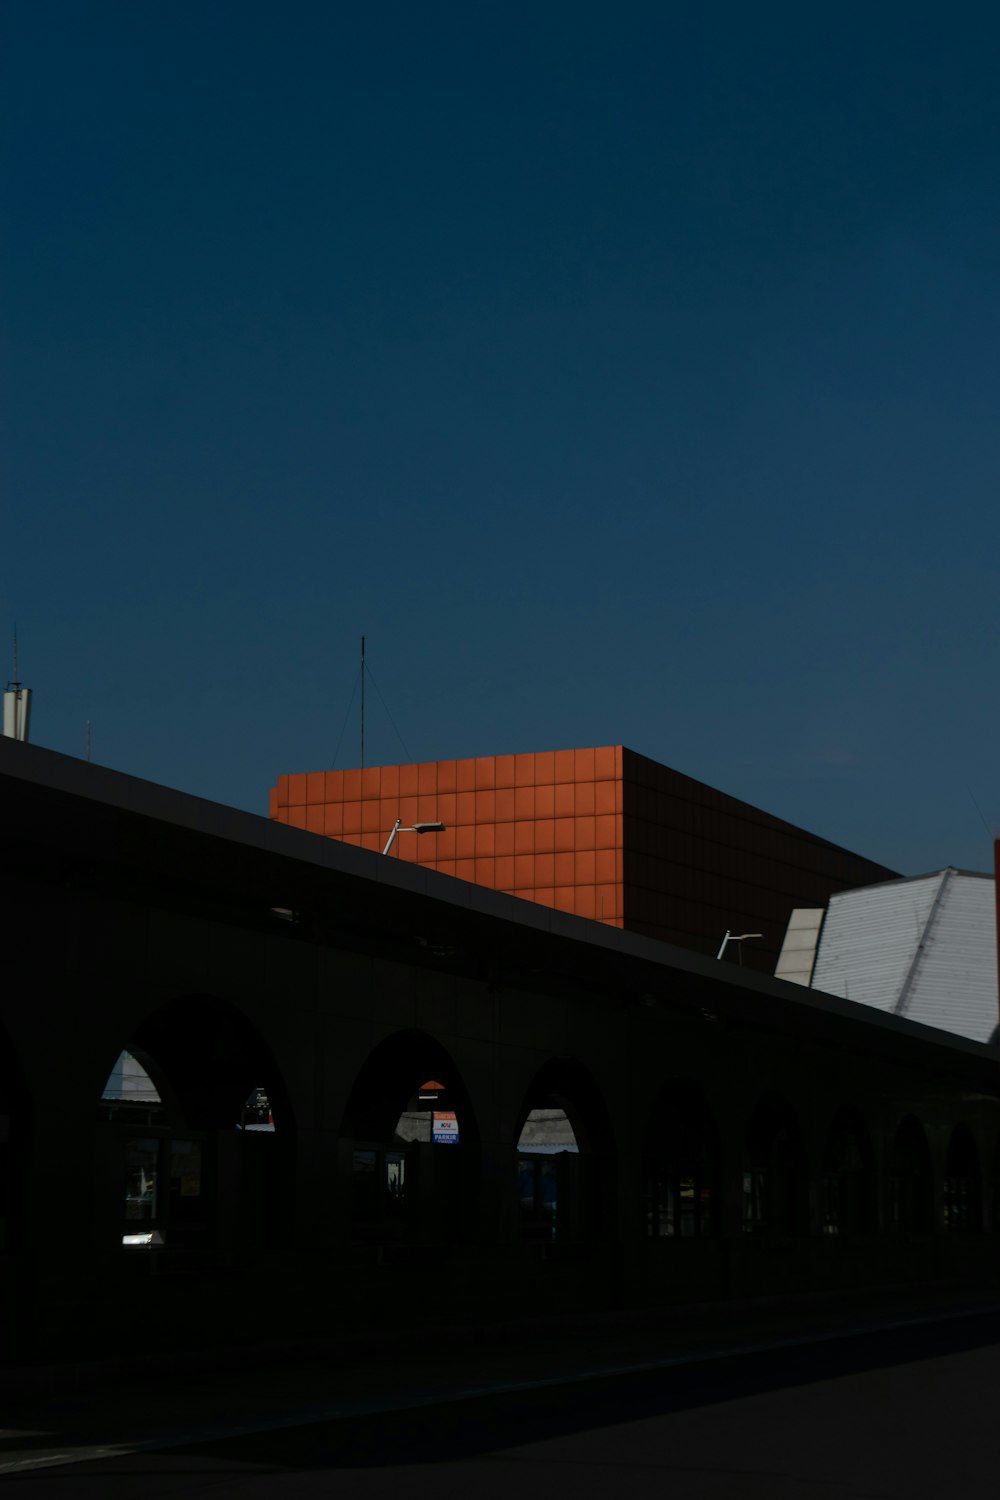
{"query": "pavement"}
[(100, 1412)]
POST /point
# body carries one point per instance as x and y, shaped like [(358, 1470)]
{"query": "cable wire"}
[(343, 727), (389, 715)]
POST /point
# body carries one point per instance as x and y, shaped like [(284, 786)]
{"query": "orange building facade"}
[(601, 833), (546, 826)]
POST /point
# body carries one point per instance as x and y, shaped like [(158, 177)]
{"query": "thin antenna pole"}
[(15, 654), (362, 703)]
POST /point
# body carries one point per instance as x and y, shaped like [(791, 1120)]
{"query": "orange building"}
[(603, 833)]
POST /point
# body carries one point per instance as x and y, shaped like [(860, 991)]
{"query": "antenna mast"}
[(362, 703)]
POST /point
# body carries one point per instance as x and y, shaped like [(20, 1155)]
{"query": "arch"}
[(565, 1155), (911, 1180), (775, 1183), (390, 1079), (848, 1202), (211, 1059), (681, 1165), (963, 1188), (414, 1139), (174, 1104), (564, 1084)]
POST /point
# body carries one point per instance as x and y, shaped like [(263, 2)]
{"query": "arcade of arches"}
[(425, 1191), (260, 1089)]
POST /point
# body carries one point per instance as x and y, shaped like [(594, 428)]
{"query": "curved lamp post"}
[(737, 937), (416, 828)]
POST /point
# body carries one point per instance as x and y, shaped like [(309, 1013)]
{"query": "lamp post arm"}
[(392, 837), (736, 937)]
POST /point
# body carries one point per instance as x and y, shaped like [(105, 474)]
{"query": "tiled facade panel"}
[(546, 826), (602, 833), (698, 863)]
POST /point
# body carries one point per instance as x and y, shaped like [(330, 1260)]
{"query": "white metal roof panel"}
[(954, 980), (870, 939), (924, 948)]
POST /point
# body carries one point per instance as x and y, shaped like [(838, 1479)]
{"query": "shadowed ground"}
[(904, 1411)]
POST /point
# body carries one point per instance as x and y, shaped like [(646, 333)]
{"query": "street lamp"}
[(416, 828), (737, 937)]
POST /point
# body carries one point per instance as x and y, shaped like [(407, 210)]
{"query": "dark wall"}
[(341, 1039), (697, 863)]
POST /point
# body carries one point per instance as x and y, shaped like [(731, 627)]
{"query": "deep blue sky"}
[(625, 373)]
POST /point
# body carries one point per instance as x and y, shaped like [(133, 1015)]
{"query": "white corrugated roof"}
[(870, 938), (954, 979), (924, 948)]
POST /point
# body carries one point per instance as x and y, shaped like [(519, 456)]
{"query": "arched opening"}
[(563, 1135), (164, 1163), (962, 1184), (848, 1177), (911, 1180), (681, 1166), (775, 1187), (216, 1062), (413, 1142), (181, 1109)]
